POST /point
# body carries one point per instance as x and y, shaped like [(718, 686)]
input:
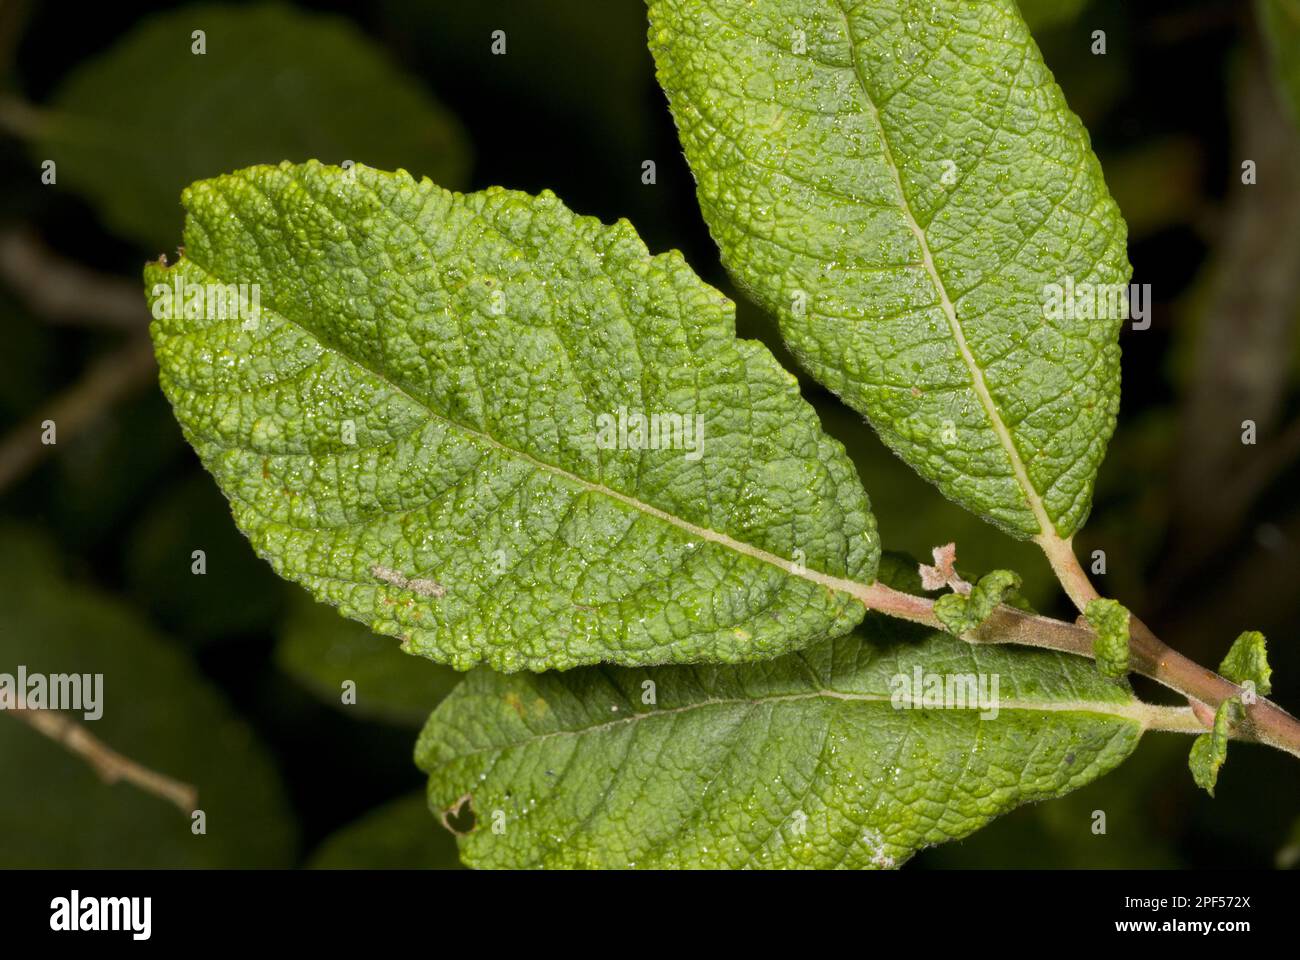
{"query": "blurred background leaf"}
[(1288, 856), (55, 810), (1280, 23), (400, 835), (1041, 14), (134, 126), (188, 516), (322, 650)]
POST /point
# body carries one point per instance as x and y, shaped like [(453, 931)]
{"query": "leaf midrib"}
[(858, 591), (1031, 494), (1133, 711)]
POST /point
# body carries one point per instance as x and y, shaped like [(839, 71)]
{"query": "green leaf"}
[(800, 762), (322, 651), (1210, 750), (1247, 662), (1046, 836), (961, 614), (901, 194), (132, 127), (420, 427), (156, 709), (913, 516), (1280, 23), (1110, 648), (399, 835)]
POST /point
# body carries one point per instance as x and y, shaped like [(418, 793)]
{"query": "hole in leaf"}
[(459, 817)]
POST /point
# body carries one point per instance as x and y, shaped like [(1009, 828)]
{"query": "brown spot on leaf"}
[(424, 587), (427, 588)]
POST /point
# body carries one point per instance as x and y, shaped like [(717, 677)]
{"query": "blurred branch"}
[(62, 291), (1184, 26), (20, 119), (1244, 339), (1256, 476), (111, 378), (110, 765), (1262, 582), (13, 19)]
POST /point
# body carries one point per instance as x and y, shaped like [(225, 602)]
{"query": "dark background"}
[(1199, 531)]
